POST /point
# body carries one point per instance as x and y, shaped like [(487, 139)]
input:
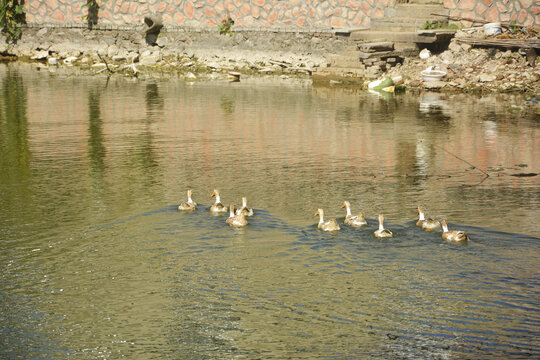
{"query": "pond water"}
[(97, 263)]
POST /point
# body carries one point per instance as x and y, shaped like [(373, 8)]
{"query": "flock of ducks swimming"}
[(238, 218)]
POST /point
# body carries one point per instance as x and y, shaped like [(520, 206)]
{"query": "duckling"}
[(217, 207), (190, 205), (329, 225), (244, 209), (238, 220), (453, 235), (427, 224), (382, 232), (353, 220)]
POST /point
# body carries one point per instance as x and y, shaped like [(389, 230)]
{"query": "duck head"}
[(216, 194), (347, 205), (444, 226), (421, 214), (381, 221)]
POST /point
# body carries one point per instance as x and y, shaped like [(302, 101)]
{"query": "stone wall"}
[(294, 14), (524, 12)]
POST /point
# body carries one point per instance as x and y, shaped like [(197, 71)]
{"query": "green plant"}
[(513, 27), (428, 25), (226, 26), (91, 16), (432, 25), (11, 17)]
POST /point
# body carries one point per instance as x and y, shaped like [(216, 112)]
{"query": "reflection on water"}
[(97, 262)]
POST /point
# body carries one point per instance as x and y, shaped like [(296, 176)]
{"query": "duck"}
[(244, 209), (217, 207), (453, 235), (329, 225), (427, 224), (382, 232), (238, 220), (189, 205), (353, 220)]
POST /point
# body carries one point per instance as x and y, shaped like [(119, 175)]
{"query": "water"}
[(96, 262)]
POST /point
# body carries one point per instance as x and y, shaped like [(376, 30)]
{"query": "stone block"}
[(449, 4), (486, 78), (492, 15), (467, 4)]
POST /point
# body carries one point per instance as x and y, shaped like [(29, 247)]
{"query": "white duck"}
[(244, 209), (453, 235), (238, 220), (353, 220), (382, 232), (329, 225), (217, 207), (427, 224), (189, 205)]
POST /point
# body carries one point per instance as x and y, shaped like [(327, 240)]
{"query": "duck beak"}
[(213, 194), (317, 213), (342, 205)]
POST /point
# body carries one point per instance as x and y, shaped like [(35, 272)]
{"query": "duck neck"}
[(381, 226), (444, 227), (244, 203), (348, 208), (218, 199), (321, 218), (421, 216)]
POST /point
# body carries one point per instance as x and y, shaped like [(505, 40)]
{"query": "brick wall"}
[(303, 14), (293, 14), (524, 12)]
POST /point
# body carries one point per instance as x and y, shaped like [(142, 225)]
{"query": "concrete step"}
[(403, 23), (375, 35), (344, 75), (426, 2), (346, 61)]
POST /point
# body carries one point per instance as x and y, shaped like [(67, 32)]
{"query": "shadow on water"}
[(96, 139)]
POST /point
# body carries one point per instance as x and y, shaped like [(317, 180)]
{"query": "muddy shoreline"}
[(199, 55)]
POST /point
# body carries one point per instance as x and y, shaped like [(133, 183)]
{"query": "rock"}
[(434, 85), (454, 47), (41, 32), (448, 57), (150, 59), (486, 78), (466, 47), (398, 80), (40, 55), (52, 61), (424, 54), (112, 51), (132, 57), (118, 58), (70, 60), (373, 72)]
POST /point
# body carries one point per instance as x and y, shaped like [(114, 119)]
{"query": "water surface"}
[(96, 261)]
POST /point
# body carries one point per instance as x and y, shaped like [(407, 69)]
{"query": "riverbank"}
[(203, 54)]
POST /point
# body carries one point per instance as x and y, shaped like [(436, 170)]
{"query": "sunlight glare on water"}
[(97, 262)]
